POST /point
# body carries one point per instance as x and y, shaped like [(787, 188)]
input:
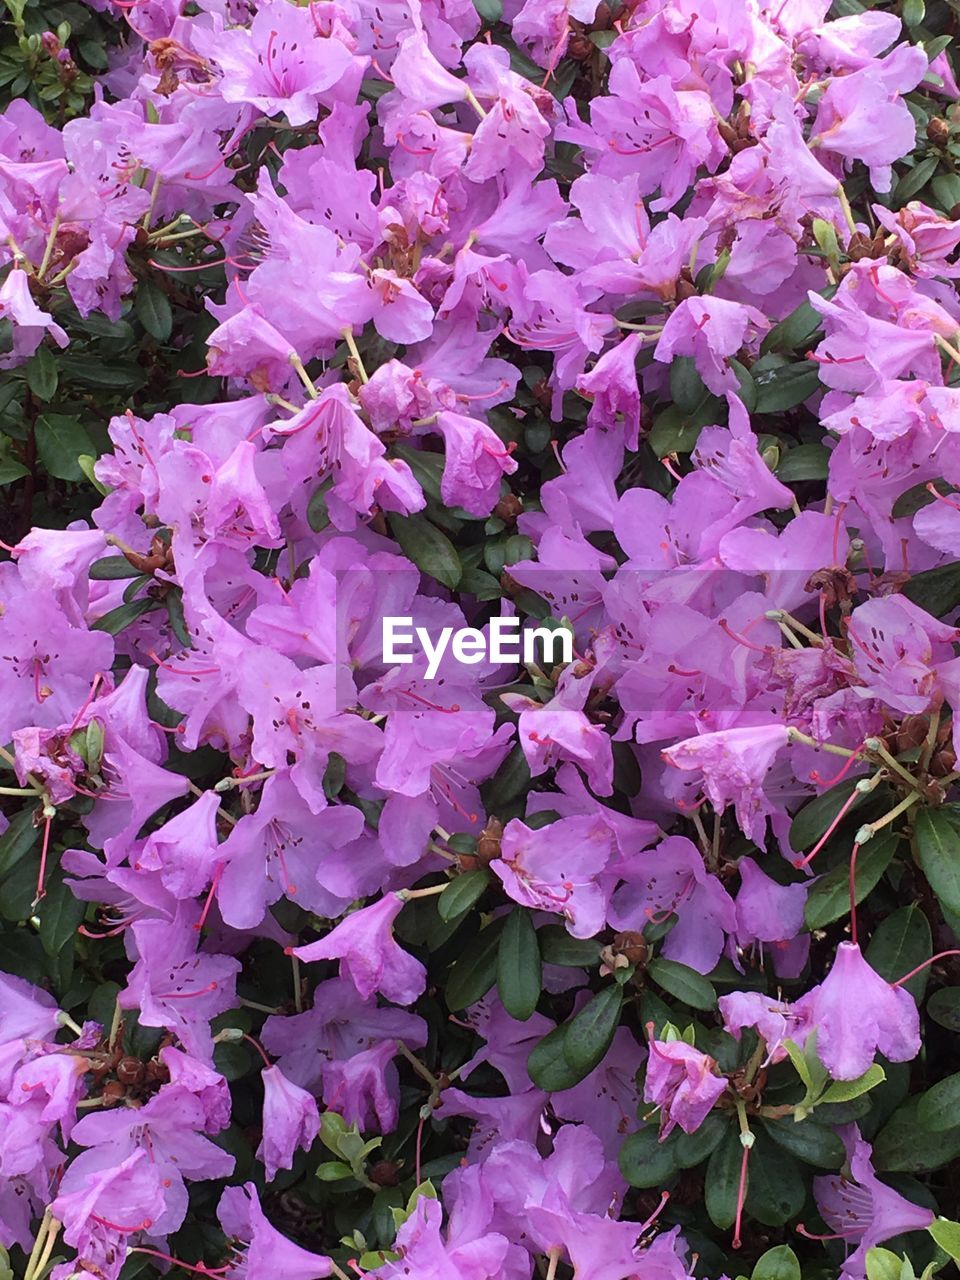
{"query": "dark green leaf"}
[(153, 310), (786, 387), (829, 899), (645, 1161), (693, 1148), (112, 568), (490, 11), (938, 847), (805, 462), (18, 839), (519, 970), (60, 915), (686, 386), (60, 442), (944, 1007), (475, 971), (776, 1190), (939, 1107), (901, 942), (794, 333), (43, 375), (935, 590), (723, 1180), (590, 1031), (808, 1141), (318, 517), (11, 471), (462, 893), (428, 548), (919, 496), (557, 946), (779, 1263), (683, 983), (914, 180), (903, 1145), (547, 1064), (117, 619)]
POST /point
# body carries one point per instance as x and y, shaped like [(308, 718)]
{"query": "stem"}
[(797, 735), (115, 1025), (48, 248), (260, 1008), (870, 829), (781, 615), (228, 784), (423, 1072), (876, 748), (355, 354), (66, 1021), (154, 192), (471, 97), (847, 211), (944, 345), (297, 992), (18, 791), (930, 741), (430, 892), (554, 1261), (304, 377)]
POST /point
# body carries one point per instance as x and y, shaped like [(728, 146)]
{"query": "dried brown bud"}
[(385, 1173), (938, 131), (130, 1071), (508, 508), (113, 1091), (488, 844), (632, 946)]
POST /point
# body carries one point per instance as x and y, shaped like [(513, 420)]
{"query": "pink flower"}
[(290, 1120)]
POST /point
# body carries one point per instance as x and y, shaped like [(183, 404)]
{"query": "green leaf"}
[(318, 517), (883, 1265), (153, 310), (60, 915), (687, 389), (18, 839), (829, 899), (785, 387), (946, 190), (112, 568), (557, 946), (683, 983), (645, 1161), (947, 1236), (808, 1141), (333, 1171), (693, 1148), (43, 375), (935, 590), (939, 1107), (428, 548), (590, 1032), (914, 180), (722, 1181), (776, 1190), (901, 942), (797, 331), (944, 1007), (903, 1145), (805, 462), (60, 442), (779, 1263), (11, 471), (117, 619), (490, 11), (847, 1090), (547, 1064), (676, 432), (519, 969), (814, 819), (461, 894), (919, 496), (475, 971), (938, 847)]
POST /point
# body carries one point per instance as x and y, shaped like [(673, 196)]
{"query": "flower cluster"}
[(632, 320)]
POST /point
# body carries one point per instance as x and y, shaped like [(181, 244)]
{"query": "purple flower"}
[(683, 1083), (369, 956), (709, 330), (862, 1209), (290, 1120), (259, 1248), (856, 1012)]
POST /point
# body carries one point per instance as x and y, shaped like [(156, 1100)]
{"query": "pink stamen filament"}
[(188, 995), (841, 814), (736, 1242), (198, 1269), (741, 639), (434, 706), (941, 955), (853, 892), (260, 1049)]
